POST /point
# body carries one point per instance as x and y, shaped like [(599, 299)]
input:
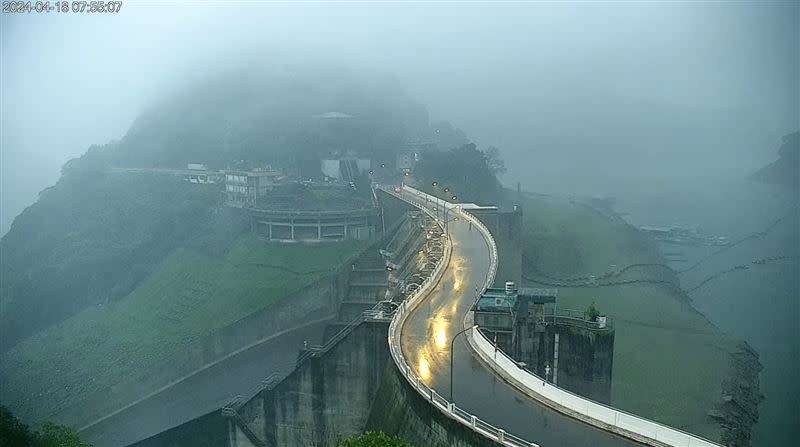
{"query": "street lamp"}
[(451, 357)]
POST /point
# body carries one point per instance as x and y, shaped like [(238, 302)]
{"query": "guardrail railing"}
[(603, 416), (438, 401)]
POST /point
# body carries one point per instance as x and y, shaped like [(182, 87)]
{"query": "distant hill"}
[(276, 117), (95, 235), (786, 170)]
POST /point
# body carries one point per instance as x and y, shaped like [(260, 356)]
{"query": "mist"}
[(667, 114), (608, 94)]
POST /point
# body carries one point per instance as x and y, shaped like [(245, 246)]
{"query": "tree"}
[(464, 171), (374, 439), (496, 164), (14, 433), (592, 313), (54, 435)]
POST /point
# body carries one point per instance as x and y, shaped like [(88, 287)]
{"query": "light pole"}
[(434, 190), (451, 357)]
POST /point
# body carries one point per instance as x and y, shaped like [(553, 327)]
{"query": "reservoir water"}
[(759, 303)]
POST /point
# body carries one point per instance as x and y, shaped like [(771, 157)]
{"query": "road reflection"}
[(423, 368), (440, 326)]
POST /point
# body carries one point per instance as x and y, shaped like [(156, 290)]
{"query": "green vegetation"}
[(374, 439), (467, 173), (190, 294), (14, 433), (669, 360), (296, 196), (591, 312), (92, 238)]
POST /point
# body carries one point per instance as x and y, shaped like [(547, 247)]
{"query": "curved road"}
[(425, 341)]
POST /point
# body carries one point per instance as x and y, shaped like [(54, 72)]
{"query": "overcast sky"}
[(496, 70)]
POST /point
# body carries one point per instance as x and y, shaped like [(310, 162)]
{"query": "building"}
[(243, 188), (494, 313), (199, 173), (315, 226), (569, 348), (406, 160), (498, 311), (344, 169)]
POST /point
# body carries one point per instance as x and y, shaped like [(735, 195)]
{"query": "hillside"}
[(786, 170), (94, 236), (279, 117), (111, 272), (191, 293), (660, 337)]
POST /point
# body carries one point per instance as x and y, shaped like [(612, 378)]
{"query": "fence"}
[(438, 401), (594, 413)]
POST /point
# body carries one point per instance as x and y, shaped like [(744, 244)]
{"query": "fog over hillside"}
[(194, 195), (638, 89)]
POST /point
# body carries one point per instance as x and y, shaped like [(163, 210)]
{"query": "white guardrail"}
[(597, 414), (438, 401)]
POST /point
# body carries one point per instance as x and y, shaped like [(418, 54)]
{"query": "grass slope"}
[(189, 295), (92, 237), (669, 360)]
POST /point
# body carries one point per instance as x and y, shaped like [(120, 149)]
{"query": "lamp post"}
[(451, 356), (435, 184)]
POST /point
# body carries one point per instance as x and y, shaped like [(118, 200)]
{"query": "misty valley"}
[(403, 225)]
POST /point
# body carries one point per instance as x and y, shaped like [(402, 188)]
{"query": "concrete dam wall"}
[(324, 300), (318, 301), (350, 388)]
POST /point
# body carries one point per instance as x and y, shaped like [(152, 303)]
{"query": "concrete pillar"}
[(291, 227), (555, 360), (319, 229), (270, 230), (231, 433)]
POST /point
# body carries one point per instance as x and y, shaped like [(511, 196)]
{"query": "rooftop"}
[(496, 299), (255, 173)]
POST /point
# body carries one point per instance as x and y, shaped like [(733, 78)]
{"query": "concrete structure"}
[(329, 395), (406, 160), (199, 173), (316, 226), (494, 313), (344, 169), (420, 346), (218, 366), (565, 347), (332, 392), (243, 188), (506, 228), (496, 389)]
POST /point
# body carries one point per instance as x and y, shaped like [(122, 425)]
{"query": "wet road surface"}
[(426, 339)]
